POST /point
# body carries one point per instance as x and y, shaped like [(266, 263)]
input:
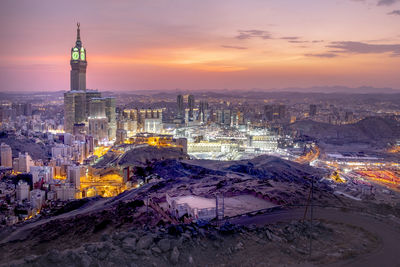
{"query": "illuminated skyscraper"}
[(89, 95), (74, 109), (98, 122), (86, 108), (74, 176), (78, 64), (97, 108), (6, 155), (111, 116), (75, 106), (98, 128)]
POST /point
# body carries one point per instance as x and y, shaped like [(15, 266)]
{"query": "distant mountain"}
[(340, 89)]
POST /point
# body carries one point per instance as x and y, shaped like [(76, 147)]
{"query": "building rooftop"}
[(195, 202)]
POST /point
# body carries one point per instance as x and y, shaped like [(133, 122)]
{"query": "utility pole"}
[(147, 207), (220, 207)]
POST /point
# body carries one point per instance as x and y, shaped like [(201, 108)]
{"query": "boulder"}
[(175, 255), (190, 259), (144, 242), (129, 244), (239, 246), (156, 250), (164, 245)]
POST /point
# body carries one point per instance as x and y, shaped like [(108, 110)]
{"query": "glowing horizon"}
[(136, 45)]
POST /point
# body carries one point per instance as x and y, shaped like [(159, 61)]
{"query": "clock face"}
[(75, 55), (82, 55)]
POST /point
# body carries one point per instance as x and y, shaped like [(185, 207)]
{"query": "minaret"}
[(78, 64)]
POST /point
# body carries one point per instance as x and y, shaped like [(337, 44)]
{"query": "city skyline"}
[(207, 45), (197, 133)]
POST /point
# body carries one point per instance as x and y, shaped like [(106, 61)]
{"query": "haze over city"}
[(196, 45)]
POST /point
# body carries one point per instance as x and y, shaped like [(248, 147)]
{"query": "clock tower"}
[(78, 64)]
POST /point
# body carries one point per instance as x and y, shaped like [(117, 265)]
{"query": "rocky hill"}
[(140, 156), (124, 231), (374, 131), (151, 153), (266, 167), (24, 144)]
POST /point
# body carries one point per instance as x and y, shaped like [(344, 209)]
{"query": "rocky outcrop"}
[(375, 131), (202, 244)]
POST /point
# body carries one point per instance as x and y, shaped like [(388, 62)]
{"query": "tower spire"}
[(78, 36), (78, 32)]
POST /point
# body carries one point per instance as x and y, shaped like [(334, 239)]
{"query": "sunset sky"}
[(207, 44)]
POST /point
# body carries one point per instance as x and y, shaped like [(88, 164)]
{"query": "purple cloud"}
[(234, 47), (297, 42), (387, 2), (364, 48), (394, 12), (290, 38), (248, 34), (322, 55)]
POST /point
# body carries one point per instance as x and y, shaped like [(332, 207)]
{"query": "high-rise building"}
[(111, 117), (6, 155), (98, 128), (191, 104), (41, 173), (227, 117), (74, 109), (203, 111), (75, 106), (22, 191), (281, 111), (65, 192), (23, 163), (313, 110), (78, 64), (274, 112), (86, 108), (74, 176), (37, 198), (90, 94), (22, 109), (121, 136), (181, 107), (97, 108), (224, 117)]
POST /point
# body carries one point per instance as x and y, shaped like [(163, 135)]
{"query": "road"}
[(387, 254), (22, 231)]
